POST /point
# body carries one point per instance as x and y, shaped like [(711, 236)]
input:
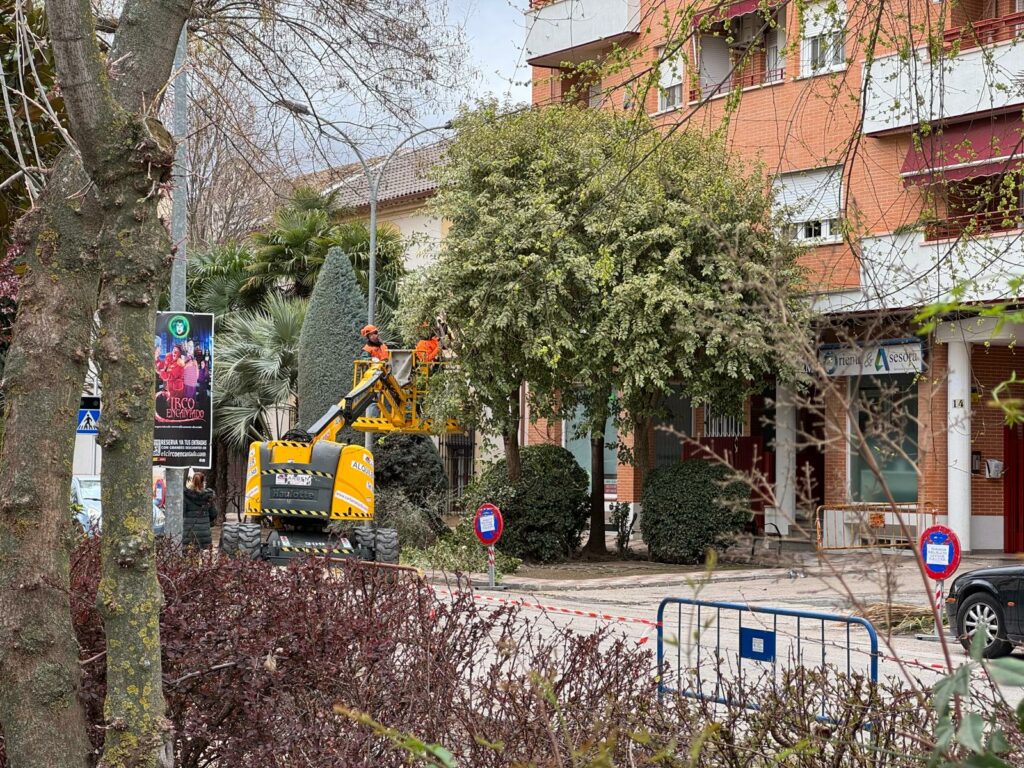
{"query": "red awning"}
[(723, 11), (988, 146)]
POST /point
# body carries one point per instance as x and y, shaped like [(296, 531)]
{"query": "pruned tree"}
[(626, 263), (330, 340)]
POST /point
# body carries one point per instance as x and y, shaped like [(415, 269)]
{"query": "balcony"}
[(905, 91), (749, 79), (574, 31), (1001, 29), (974, 224)]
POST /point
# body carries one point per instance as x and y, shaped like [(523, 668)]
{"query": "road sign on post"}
[(488, 525), (940, 552)]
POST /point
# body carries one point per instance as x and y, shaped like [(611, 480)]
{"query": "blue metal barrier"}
[(770, 634)]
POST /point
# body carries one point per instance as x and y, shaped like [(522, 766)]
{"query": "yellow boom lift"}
[(311, 495)]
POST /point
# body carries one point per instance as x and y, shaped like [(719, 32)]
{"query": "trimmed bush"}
[(545, 511), (689, 508), (330, 341)]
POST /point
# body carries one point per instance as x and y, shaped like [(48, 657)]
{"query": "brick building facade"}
[(887, 161)]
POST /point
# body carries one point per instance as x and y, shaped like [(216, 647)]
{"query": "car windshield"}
[(90, 489)]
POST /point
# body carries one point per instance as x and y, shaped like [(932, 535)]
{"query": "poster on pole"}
[(183, 364)]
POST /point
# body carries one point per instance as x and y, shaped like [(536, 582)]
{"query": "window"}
[(594, 95), (670, 81), (812, 201), (822, 49), (579, 446), (885, 411), (817, 229), (722, 424)]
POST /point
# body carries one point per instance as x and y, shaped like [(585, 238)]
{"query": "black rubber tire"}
[(385, 546), (250, 541), (974, 608), (229, 538), (363, 539)]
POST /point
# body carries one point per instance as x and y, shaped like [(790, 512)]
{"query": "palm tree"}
[(257, 369), (217, 281), (288, 256)]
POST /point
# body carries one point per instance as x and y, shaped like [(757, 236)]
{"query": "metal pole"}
[(371, 290), (490, 566), (175, 477)]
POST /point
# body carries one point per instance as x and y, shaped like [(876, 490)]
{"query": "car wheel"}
[(980, 613)]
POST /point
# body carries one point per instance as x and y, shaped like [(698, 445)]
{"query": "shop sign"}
[(875, 360)]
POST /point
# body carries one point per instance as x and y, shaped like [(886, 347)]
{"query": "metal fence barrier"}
[(718, 643), (871, 526)]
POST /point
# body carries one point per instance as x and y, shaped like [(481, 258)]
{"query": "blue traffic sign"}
[(88, 421), (940, 551), (488, 524)]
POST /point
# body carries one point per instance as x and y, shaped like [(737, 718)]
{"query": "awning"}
[(988, 146), (723, 11)]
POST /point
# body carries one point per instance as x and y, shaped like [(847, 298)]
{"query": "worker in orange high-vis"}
[(374, 348), (428, 348)]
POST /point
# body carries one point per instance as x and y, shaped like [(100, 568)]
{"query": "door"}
[(1013, 489)]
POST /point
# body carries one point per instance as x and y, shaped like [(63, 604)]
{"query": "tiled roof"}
[(407, 176)]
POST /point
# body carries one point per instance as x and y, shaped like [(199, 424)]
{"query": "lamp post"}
[(374, 174)]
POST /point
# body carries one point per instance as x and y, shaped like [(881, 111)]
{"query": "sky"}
[(495, 31)]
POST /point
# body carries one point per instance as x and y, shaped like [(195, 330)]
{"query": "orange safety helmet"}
[(368, 329)]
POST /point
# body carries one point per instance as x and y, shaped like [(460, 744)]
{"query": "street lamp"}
[(373, 180)]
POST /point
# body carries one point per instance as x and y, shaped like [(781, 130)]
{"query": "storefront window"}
[(579, 446), (885, 410)]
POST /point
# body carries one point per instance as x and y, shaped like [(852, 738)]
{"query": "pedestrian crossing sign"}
[(88, 421)]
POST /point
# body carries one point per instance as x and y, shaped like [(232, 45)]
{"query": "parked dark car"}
[(989, 600)]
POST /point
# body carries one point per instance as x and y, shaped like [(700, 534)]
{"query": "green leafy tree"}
[(257, 370), (591, 256), (330, 340)]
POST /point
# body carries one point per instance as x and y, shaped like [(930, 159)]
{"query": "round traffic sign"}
[(940, 551), (488, 524)]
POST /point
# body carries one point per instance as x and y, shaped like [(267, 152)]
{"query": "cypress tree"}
[(330, 340)]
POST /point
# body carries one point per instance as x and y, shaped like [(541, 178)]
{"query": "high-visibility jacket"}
[(380, 352), (427, 350)]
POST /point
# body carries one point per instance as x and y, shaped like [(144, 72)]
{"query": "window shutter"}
[(818, 20), (810, 195)]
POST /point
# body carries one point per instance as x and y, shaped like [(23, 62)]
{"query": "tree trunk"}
[(43, 722), (135, 255), (510, 437), (127, 156), (596, 543)]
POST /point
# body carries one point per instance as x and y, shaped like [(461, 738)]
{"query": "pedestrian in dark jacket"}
[(199, 514)]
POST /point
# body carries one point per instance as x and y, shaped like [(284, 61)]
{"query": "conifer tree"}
[(330, 340)]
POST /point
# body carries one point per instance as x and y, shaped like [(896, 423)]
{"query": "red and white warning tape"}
[(557, 609)]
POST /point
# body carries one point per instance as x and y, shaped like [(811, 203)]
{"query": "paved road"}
[(580, 598)]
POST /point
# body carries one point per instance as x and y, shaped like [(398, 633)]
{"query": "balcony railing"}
[(739, 80), (974, 224), (985, 31)]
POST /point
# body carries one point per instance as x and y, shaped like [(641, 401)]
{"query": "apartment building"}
[(894, 139)]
